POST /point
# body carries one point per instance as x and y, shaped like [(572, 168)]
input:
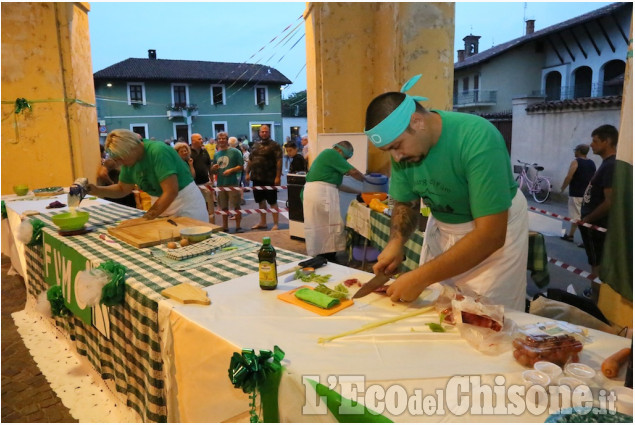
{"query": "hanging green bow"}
[(113, 292), (261, 373), (36, 238), (56, 298)]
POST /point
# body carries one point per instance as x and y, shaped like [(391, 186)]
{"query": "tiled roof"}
[(501, 48), (579, 103), (184, 70)]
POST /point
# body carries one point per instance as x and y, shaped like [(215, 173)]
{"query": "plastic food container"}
[(570, 382), (535, 377), (624, 402), (529, 349), (551, 369), (579, 371)]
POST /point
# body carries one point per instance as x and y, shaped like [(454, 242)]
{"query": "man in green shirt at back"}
[(323, 224), (228, 164), (476, 238)]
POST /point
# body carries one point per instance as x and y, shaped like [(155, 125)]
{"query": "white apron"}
[(323, 224), (188, 203), (502, 277)]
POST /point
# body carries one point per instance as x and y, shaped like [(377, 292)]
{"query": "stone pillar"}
[(356, 51), (46, 60)]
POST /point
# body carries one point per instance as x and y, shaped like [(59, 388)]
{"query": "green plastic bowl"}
[(21, 189), (68, 222), (196, 233)]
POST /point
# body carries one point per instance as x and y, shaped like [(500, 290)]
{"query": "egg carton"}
[(199, 248)]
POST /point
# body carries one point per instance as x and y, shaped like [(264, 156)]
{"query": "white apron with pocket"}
[(323, 224), (501, 277), (188, 203)]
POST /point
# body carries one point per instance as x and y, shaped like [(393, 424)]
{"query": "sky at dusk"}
[(272, 34)]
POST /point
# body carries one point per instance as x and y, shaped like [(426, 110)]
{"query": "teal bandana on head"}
[(348, 154), (395, 123)]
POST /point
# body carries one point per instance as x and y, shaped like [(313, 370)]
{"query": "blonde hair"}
[(121, 142), (179, 145), (233, 142)]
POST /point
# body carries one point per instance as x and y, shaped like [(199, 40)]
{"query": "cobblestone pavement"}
[(26, 395)]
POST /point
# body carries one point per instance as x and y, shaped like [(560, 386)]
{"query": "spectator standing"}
[(296, 161), (203, 166), (596, 203), (184, 152), (228, 165), (578, 177), (265, 169), (305, 147)]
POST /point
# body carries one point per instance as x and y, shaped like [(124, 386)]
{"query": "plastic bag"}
[(479, 322)]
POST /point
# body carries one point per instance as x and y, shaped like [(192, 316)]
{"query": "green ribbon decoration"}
[(4, 210), (334, 402), (114, 292), (36, 238), (260, 373), (21, 104), (56, 298)]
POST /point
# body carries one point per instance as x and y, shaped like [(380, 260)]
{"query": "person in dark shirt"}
[(264, 168), (202, 164), (578, 177), (297, 161), (596, 203)]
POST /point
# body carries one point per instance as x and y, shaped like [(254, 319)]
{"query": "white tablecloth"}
[(243, 316)]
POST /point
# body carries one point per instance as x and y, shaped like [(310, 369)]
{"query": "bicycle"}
[(540, 187)]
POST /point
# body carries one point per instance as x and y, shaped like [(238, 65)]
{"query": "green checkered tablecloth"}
[(132, 356), (380, 234)]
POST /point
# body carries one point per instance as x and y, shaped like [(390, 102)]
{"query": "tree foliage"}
[(294, 105)]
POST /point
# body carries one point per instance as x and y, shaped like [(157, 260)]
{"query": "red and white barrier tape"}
[(561, 217), (575, 270), (241, 189), (252, 211)]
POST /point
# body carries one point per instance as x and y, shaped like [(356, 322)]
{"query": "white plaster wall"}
[(288, 122), (549, 138)]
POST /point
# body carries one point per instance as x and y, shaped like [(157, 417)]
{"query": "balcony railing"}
[(475, 97), (182, 111), (580, 90)]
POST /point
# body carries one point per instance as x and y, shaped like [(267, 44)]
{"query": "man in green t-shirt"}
[(476, 239), (323, 224), (228, 164)]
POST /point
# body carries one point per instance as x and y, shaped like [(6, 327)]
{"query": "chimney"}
[(471, 45), (461, 55), (529, 26), (152, 54)]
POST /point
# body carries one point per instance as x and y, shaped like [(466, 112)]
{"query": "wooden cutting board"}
[(187, 294), (146, 233)]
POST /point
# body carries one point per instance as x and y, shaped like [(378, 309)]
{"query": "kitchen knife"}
[(314, 262), (371, 285)]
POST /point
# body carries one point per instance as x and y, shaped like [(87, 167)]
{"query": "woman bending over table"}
[(158, 170)]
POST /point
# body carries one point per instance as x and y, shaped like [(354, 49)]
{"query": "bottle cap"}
[(266, 240)]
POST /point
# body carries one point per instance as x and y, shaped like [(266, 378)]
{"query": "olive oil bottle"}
[(267, 270)]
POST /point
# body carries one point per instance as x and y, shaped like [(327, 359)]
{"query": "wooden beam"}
[(617, 24), (555, 49), (577, 41), (586, 29), (608, 39), (566, 46)]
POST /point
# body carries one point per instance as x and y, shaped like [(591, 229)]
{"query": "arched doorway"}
[(553, 83), (613, 80), (582, 82)]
